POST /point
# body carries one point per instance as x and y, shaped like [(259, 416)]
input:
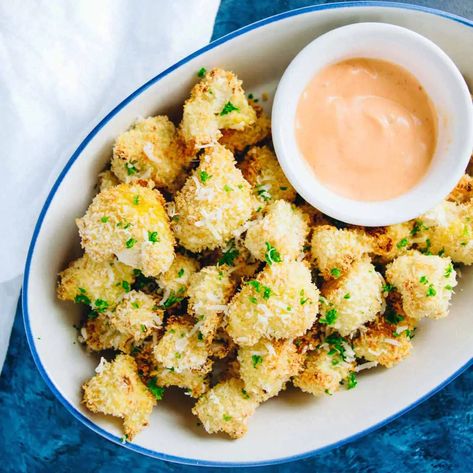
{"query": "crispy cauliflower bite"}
[(129, 221), (178, 275), (425, 283), (214, 202), (450, 231), (282, 302), (283, 226), (136, 316), (391, 241), (320, 375), (195, 382), (463, 191), (335, 250), (239, 140), (99, 334), (226, 408), (151, 149), (117, 390), (181, 347), (209, 291), (385, 343), (266, 367), (261, 169), (88, 281), (216, 102), (107, 179), (353, 299)]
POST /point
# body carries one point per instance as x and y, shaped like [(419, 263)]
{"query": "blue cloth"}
[(37, 434)]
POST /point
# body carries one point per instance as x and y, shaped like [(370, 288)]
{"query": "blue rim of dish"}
[(90, 136)]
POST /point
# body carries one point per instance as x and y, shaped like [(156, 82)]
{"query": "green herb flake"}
[(392, 316), (388, 288), (335, 272), (130, 243), (143, 328), (327, 391), (272, 255), (402, 243), (171, 300), (104, 219), (245, 394), (266, 293), (283, 188), (101, 305), (351, 381), (256, 360), (82, 298), (448, 287), (431, 291), (424, 280), (426, 250), (135, 305), (180, 273), (303, 300), (347, 296), (153, 237), (253, 300), (227, 188), (131, 169), (330, 317), (136, 200), (228, 108), (448, 270), (200, 336), (157, 391), (201, 72), (126, 286), (263, 192), (418, 227), (227, 418), (204, 176), (229, 256)]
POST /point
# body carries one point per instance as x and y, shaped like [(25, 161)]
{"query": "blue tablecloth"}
[(37, 434)]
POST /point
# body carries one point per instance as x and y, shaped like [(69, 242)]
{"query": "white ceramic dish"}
[(294, 425), (434, 70)]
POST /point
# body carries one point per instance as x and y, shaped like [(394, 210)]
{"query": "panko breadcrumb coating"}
[(176, 278), (99, 334), (214, 202), (261, 169), (226, 408), (216, 102), (151, 149), (323, 373), (129, 221), (283, 226), (463, 191), (425, 283), (239, 140), (98, 284), (107, 179), (335, 250), (266, 367), (392, 241), (353, 299), (209, 291), (386, 340), (450, 231), (182, 347), (136, 316), (117, 390), (282, 302), (195, 382)]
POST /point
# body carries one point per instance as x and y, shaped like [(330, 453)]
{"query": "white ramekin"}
[(442, 81)]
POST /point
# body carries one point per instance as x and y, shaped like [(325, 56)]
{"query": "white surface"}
[(432, 68), (64, 65), (294, 423)]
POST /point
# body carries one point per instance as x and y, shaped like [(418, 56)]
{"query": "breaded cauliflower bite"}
[(99, 334), (266, 367), (101, 285), (283, 227), (217, 102), (182, 347), (107, 179), (386, 341), (450, 231), (261, 169), (130, 222), (117, 390), (151, 149), (425, 283), (214, 202), (353, 299), (226, 408), (335, 250), (176, 279), (326, 368), (463, 191), (282, 302), (194, 381), (239, 140), (136, 316), (209, 291), (392, 241)]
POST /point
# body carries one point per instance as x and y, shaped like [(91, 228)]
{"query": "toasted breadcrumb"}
[(118, 391), (392, 241), (217, 102), (129, 221), (107, 179), (177, 277), (425, 283), (99, 334), (463, 192), (226, 408)]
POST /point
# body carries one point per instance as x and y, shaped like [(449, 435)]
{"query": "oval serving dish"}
[(293, 425)]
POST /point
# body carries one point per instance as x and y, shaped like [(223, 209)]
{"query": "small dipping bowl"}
[(442, 82)]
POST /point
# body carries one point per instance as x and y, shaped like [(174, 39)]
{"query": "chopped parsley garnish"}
[(245, 394), (101, 305), (418, 227), (259, 209), (272, 255), (283, 188), (263, 192), (131, 169), (171, 300), (303, 300), (124, 438), (130, 243), (82, 298), (153, 237), (431, 291), (126, 286), (136, 200), (135, 350), (255, 284), (204, 176), (337, 350), (347, 296), (441, 252), (157, 391), (92, 315), (351, 381), (448, 270), (135, 305), (201, 72), (143, 328), (200, 335), (388, 287), (335, 272), (229, 256), (253, 299), (180, 273), (250, 96), (402, 243), (330, 317), (227, 188), (424, 280), (392, 316), (104, 219), (266, 293), (227, 418), (426, 250), (257, 360), (448, 287), (227, 108), (327, 391)]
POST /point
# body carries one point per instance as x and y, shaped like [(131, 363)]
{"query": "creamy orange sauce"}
[(367, 128)]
